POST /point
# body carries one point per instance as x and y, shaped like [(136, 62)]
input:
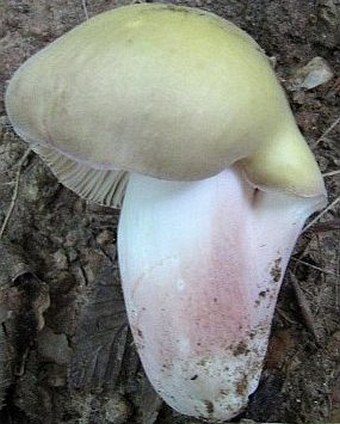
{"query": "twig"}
[(329, 129), (285, 316), (83, 2), (317, 268), (329, 207), (323, 275), (15, 193), (331, 173), (8, 183), (304, 306)]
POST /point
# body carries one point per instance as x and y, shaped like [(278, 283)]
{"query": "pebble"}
[(314, 74)]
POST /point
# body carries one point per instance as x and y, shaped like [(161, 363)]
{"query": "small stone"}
[(315, 73)]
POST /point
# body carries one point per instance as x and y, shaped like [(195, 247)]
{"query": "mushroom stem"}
[(201, 265)]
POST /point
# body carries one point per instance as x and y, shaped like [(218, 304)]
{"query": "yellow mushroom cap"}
[(170, 92)]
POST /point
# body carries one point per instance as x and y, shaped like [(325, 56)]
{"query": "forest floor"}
[(58, 254)]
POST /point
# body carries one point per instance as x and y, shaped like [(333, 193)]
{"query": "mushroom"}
[(180, 111)]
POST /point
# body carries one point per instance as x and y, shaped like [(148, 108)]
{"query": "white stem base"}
[(201, 265)]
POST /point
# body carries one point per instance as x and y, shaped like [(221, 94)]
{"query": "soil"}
[(66, 353)]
